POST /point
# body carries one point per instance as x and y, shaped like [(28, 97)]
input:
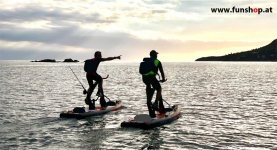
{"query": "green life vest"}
[(149, 66)]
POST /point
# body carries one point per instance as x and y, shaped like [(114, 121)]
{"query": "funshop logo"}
[(249, 9)]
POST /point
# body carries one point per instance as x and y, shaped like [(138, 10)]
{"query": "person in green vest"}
[(149, 79)]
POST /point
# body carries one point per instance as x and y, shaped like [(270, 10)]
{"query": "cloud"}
[(35, 13), (130, 47), (158, 11), (67, 36), (131, 28), (8, 54)]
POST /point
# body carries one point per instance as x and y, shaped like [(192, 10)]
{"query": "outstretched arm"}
[(111, 58)]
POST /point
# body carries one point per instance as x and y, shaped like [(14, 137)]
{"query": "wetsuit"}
[(96, 77), (93, 75), (150, 79)]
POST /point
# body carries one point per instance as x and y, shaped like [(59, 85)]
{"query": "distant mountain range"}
[(265, 53)]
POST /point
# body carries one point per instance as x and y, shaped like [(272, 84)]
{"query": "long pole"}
[(78, 79)]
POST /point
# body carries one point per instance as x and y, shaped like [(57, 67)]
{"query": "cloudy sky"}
[(180, 30)]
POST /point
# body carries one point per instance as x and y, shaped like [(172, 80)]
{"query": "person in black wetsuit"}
[(94, 76), (150, 79)]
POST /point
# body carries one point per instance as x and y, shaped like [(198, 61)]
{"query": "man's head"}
[(97, 54), (153, 54)]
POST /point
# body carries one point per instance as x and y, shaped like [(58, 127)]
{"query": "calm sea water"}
[(225, 105)]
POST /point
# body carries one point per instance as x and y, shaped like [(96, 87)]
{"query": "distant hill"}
[(265, 53), (53, 60)]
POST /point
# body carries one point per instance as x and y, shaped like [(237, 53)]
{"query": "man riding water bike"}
[(92, 75), (149, 78)]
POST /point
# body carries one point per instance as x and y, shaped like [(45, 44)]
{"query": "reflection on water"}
[(224, 106), (154, 139)]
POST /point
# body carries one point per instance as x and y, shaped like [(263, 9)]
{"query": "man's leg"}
[(100, 91), (160, 100), (156, 103), (159, 94), (100, 85), (88, 100), (156, 84), (149, 103), (90, 83), (149, 96)]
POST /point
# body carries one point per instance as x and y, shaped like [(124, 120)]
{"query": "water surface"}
[(225, 105)]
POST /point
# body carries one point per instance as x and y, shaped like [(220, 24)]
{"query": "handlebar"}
[(106, 77), (163, 81)]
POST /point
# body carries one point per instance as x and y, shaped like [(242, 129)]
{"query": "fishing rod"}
[(85, 91)]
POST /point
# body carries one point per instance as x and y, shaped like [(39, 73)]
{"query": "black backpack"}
[(90, 65), (147, 65)]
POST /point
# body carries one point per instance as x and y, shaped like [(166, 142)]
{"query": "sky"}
[(180, 30)]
